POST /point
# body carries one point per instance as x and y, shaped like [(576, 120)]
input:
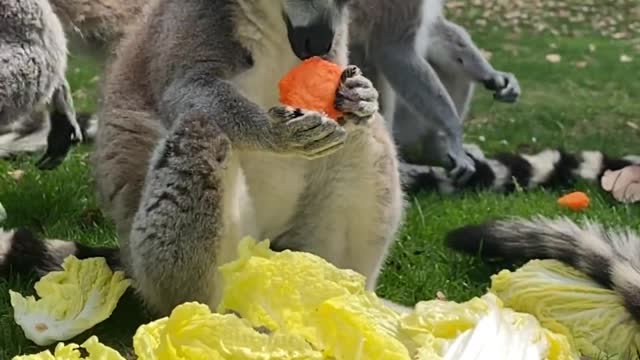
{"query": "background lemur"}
[(92, 28), (609, 256), (33, 88), (194, 152), (460, 65), (392, 42)]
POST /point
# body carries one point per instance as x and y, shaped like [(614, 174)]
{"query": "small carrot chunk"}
[(575, 201), (312, 85)]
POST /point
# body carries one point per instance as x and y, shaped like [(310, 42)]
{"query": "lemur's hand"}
[(305, 133), (462, 167), (356, 97), (506, 87)]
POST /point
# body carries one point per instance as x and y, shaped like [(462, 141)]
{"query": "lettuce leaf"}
[(567, 301), (481, 328), (70, 302), (193, 332), (93, 347)]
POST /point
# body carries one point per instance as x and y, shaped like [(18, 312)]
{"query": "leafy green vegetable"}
[(568, 302)]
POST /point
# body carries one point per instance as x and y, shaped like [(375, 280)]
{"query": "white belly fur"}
[(274, 183)]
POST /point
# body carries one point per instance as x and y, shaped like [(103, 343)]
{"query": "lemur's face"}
[(312, 24)]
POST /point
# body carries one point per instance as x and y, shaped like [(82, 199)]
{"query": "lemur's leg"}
[(181, 232), (125, 142), (405, 122), (25, 136), (353, 207), (418, 86), (434, 140)]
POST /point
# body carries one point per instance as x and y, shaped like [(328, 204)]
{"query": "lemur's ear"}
[(623, 184)]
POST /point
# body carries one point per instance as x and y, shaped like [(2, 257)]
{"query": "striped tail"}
[(505, 172), (610, 257), (22, 252)]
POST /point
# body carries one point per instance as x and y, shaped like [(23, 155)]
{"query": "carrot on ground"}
[(576, 201), (312, 85)]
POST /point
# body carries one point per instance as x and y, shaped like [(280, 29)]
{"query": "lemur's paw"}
[(506, 87), (305, 133), (64, 133), (76, 136), (356, 96), (462, 167)]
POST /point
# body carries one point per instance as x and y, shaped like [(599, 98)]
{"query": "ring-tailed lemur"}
[(460, 65), (506, 172), (609, 256), (194, 152), (33, 87), (398, 44)]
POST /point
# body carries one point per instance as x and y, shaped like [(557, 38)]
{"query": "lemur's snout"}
[(311, 40)]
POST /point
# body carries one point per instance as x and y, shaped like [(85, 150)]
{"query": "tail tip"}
[(21, 251), (472, 239)]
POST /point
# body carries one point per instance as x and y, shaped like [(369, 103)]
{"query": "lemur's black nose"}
[(312, 40)]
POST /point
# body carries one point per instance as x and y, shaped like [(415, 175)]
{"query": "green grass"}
[(578, 108)]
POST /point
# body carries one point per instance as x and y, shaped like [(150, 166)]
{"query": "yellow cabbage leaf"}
[(303, 294), (359, 327), (193, 332), (93, 347), (480, 328), (278, 290), (70, 302), (568, 302)]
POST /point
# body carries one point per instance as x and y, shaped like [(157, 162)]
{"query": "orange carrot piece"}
[(575, 201), (312, 85)]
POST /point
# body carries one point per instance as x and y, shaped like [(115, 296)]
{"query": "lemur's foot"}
[(305, 133), (356, 97)]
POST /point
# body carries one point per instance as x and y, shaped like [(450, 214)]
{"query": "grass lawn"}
[(588, 100)]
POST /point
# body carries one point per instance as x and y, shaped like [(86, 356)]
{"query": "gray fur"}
[(194, 152), (610, 256), (96, 25), (407, 48), (93, 28), (33, 54)]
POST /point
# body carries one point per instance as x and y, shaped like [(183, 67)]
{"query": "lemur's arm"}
[(459, 87), (454, 53), (280, 129), (417, 84)]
